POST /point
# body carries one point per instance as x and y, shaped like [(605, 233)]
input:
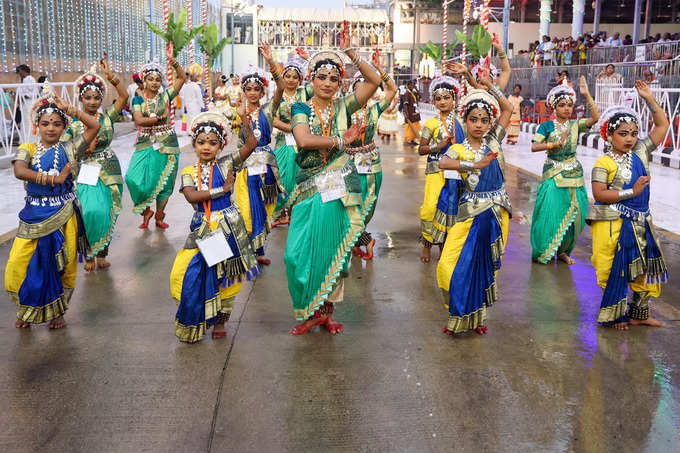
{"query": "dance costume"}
[(472, 253), (205, 294), (101, 203), (515, 119), (626, 251), (561, 199), (41, 270)]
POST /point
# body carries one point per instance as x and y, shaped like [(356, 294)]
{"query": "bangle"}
[(434, 148), (385, 77), (466, 165), (551, 145), (495, 92), (502, 55), (341, 143), (37, 177), (52, 182), (626, 194), (216, 192)]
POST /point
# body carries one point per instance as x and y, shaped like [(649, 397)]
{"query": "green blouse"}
[(302, 94), (164, 132)]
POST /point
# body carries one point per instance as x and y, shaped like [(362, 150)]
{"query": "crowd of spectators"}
[(569, 51)]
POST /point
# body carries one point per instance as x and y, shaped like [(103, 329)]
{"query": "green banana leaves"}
[(209, 44), (436, 51), (479, 44), (176, 32)]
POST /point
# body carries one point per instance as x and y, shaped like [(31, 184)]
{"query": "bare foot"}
[(620, 326), (482, 330), (58, 323), (425, 254), (647, 322), (218, 331), (19, 324), (102, 263), (446, 331), (333, 326), (566, 258), (89, 266)]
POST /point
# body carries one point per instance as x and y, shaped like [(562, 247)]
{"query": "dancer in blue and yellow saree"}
[(258, 184), (626, 251), (41, 270), (561, 200), (366, 156), (472, 253), (440, 201), (286, 149), (100, 199), (206, 293), (153, 167), (326, 214)]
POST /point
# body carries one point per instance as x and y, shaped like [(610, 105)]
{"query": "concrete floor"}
[(545, 378)]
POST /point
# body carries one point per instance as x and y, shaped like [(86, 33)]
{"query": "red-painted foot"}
[(160, 215), (369, 256), (264, 261), (146, 216), (482, 330)]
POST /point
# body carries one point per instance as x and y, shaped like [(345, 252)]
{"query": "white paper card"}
[(452, 174), (290, 140), (331, 186), (214, 248), (257, 164), (363, 164), (89, 174), (364, 169), (157, 146), (259, 169)]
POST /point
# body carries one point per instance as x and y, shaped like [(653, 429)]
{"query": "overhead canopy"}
[(322, 15)]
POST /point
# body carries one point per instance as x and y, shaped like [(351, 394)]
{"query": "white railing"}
[(18, 96), (669, 100)]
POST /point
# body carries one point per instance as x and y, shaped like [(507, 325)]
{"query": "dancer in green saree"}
[(326, 215), (153, 167), (561, 200), (100, 198)]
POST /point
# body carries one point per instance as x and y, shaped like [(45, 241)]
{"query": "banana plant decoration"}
[(176, 33), (479, 44), (212, 47)]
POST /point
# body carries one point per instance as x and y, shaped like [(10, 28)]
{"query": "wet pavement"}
[(545, 378)]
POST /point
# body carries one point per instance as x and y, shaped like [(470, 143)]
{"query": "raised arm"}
[(90, 122), (181, 75), (594, 112), (266, 52), (390, 86), (506, 70), (372, 79), (505, 105), (661, 124), (121, 100), (245, 132)]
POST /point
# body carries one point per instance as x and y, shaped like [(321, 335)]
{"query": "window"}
[(243, 28)]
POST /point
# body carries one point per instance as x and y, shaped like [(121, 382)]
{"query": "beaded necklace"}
[(326, 116), (256, 130), (54, 171), (624, 162), (207, 205), (478, 153), (447, 123), (155, 100)]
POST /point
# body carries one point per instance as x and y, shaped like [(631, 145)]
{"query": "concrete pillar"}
[(546, 10), (636, 21), (596, 18), (578, 11), (506, 23)]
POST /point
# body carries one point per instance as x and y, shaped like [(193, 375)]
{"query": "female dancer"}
[(516, 119), (100, 199), (326, 216), (286, 150), (366, 157), (467, 269), (41, 270), (259, 183), (626, 252), (440, 203), (206, 293), (387, 123), (153, 167), (222, 90), (561, 200)]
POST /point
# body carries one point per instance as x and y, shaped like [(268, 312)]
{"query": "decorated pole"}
[(166, 17), (466, 19), (190, 24), (485, 15), (204, 19), (446, 27)]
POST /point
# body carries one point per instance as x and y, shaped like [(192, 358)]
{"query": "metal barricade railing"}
[(17, 99)]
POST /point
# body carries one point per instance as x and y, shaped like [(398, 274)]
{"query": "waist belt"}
[(52, 200)]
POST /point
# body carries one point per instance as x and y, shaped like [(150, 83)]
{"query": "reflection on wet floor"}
[(545, 378)]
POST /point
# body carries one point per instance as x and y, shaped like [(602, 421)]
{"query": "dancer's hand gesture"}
[(640, 184), (64, 106), (104, 65), (486, 161), (229, 181), (563, 139), (443, 143), (241, 106), (643, 90), (455, 67), (63, 174), (266, 51), (583, 86), (353, 133), (497, 42), (375, 59), (302, 52)]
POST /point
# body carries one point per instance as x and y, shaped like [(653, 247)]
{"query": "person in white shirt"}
[(192, 94), (25, 98), (614, 41)]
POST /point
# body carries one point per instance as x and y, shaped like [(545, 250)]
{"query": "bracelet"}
[(551, 145), (626, 194), (502, 55), (466, 165), (216, 192), (495, 92), (52, 182), (341, 143), (434, 148), (385, 77)]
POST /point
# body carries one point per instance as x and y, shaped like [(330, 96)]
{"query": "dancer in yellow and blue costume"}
[(206, 294), (561, 200), (440, 201), (626, 251), (258, 184), (41, 270), (472, 253)]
